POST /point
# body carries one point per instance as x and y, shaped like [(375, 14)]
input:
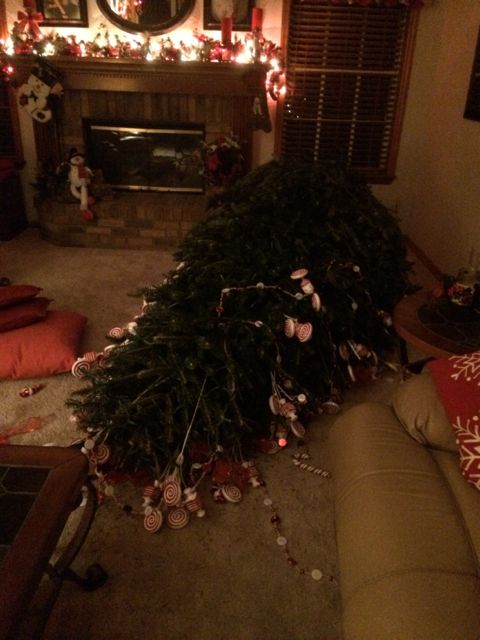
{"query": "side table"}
[(435, 327), (39, 489)]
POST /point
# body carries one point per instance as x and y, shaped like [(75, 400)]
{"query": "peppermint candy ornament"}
[(193, 503), (90, 356), (101, 453), (178, 518), (109, 348), (306, 286), (132, 328), (287, 408), (80, 367), (297, 429), (304, 331), (30, 390), (330, 407), (274, 405), (289, 327), (298, 274), (316, 302), (153, 520), (172, 492), (117, 333), (231, 493)]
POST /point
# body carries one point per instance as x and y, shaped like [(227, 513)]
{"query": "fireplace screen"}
[(146, 158)]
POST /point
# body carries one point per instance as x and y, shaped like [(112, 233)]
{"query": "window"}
[(347, 68)]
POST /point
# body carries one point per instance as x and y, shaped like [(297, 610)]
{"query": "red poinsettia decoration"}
[(222, 160)]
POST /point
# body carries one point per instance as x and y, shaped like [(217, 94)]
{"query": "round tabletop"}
[(412, 329)]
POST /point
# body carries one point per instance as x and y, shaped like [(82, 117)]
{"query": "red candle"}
[(227, 23), (257, 18)]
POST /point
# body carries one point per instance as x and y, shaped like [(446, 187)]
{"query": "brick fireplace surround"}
[(218, 96)]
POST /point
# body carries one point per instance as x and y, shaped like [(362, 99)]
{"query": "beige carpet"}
[(224, 576)]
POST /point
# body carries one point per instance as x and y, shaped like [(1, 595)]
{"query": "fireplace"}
[(146, 157), (148, 96)]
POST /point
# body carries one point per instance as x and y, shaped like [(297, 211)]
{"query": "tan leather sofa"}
[(407, 522)]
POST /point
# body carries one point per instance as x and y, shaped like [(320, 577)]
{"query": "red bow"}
[(28, 22)]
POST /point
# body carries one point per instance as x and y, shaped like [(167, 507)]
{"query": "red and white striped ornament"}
[(297, 429), (80, 367), (307, 287), (117, 333), (90, 356), (274, 405), (194, 504), (289, 327), (172, 492), (298, 274), (30, 390), (287, 409), (100, 454), (330, 407), (304, 331), (178, 518), (316, 302), (153, 520), (231, 493)]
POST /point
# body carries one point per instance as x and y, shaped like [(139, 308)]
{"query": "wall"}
[(263, 142), (437, 190)]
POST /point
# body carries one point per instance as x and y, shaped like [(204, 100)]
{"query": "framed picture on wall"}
[(63, 13), (240, 10)]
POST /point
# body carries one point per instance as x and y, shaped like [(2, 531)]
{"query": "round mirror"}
[(152, 16)]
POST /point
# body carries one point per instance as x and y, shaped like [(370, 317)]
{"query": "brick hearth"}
[(129, 220)]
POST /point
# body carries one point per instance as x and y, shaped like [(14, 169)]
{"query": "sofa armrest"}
[(407, 567)]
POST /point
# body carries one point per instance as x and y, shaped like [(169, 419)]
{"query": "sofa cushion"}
[(419, 410)]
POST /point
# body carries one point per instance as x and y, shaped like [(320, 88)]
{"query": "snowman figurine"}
[(80, 177)]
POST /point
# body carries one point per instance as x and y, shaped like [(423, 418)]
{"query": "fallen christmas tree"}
[(280, 300)]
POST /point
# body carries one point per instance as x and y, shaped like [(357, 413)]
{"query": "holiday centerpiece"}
[(280, 300)]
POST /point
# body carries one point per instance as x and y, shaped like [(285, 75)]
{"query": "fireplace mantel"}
[(222, 97), (188, 78), (159, 88)]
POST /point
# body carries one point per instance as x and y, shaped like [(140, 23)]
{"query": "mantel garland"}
[(254, 48), (413, 4)]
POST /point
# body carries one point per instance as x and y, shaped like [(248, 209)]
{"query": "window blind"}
[(345, 74)]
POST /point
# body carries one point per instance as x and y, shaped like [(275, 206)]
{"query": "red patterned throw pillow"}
[(16, 293), (457, 380), (23, 314), (42, 349)]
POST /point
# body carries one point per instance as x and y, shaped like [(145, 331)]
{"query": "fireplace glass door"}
[(144, 157)]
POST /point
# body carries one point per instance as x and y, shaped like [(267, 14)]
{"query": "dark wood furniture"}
[(39, 489), (435, 327), (13, 219)]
